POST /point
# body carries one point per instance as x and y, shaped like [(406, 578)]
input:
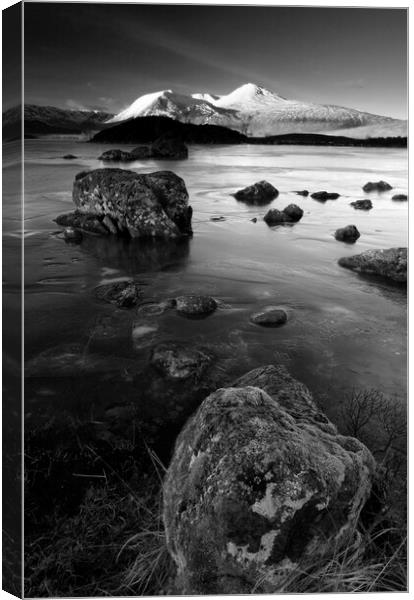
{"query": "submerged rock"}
[(259, 480), (143, 333), (125, 294), (290, 214), (84, 221), (72, 235), (270, 316), (390, 263), (146, 206), (348, 234), (179, 362), (377, 186), (362, 204), (261, 192), (400, 197), (195, 306), (325, 196)]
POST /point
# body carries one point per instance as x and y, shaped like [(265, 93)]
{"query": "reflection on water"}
[(344, 330)]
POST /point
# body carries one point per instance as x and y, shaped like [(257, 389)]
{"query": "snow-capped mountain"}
[(258, 112)]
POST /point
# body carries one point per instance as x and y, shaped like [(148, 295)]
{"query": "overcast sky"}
[(105, 56)]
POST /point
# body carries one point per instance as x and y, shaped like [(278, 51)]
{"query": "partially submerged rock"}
[(400, 197), (177, 361), (323, 196), (290, 214), (261, 192), (390, 263), (362, 204), (377, 186), (124, 294), (302, 192), (116, 155), (348, 234), (259, 481), (146, 206), (270, 316), (69, 156), (195, 306)]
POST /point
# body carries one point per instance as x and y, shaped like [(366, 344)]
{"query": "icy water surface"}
[(345, 331)]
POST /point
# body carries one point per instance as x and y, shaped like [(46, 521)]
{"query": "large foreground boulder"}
[(145, 206), (261, 192), (259, 481), (390, 263)]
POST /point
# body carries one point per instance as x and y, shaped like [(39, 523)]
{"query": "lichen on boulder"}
[(259, 481), (145, 206)]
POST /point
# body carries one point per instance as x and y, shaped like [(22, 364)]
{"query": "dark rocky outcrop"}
[(261, 192), (400, 197), (390, 263), (323, 196), (169, 148), (195, 306), (377, 186), (290, 214), (362, 204), (259, 481), (177, 361), (270, 316), (140, 152), (145, 206), (124, 294), (88, 222), (348, 234)]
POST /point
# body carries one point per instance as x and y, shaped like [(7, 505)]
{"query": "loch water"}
[(344, 331)]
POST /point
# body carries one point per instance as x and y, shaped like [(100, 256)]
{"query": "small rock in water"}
[(69, 156), (325, 196), (196, 306), (290, 214), (143, 333), (400, 197), (72, 235), (217, 218), (179, 362), (362, 204), (377, 186), (261, 192), (116, 156), (254, 220), (155, 308), (348, 234), (124, 294), (270, 316), (302, 192)]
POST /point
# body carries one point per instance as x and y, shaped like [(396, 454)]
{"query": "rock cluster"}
[(261, 192), (290, 214), (259, 481), (121, 201), (390, 263)]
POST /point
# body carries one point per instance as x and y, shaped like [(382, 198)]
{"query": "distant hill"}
[(47, 120), (143, 130), (258, 112)]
